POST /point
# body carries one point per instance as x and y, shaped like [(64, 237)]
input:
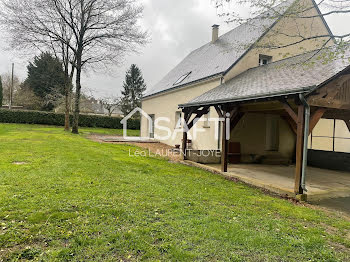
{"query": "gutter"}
[(306, 138)]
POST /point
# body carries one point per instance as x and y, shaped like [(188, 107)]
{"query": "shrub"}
[(57, 119)]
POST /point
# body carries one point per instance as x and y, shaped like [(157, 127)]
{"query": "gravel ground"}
[(341, 204)]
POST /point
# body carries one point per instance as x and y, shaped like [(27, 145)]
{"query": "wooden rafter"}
[(291, 123), (235, 120), (332, 89), (328, 96), (218, 110), (261, 107), (337, 85), (289, 110), (233, 112), (315, 118), (199, 114), (188, 114), (328, 103), (337, 114)]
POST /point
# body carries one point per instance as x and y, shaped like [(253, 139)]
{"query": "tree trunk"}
[(67, 111), (75, 129), (67, 100)]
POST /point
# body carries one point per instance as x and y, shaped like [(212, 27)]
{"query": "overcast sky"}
[(176, 27)]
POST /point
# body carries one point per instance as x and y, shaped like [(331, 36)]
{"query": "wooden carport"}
[(302, 111)]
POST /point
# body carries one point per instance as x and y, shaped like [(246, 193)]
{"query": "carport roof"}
[(298, 74)]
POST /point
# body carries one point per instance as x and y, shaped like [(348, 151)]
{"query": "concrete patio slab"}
[(321, 183), (341, 204)]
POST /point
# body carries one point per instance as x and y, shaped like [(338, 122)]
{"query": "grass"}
[(66, 198), (83, 130)]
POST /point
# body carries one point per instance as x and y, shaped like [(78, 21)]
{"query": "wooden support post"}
[(224, 147), (299, 150), (184, 139)]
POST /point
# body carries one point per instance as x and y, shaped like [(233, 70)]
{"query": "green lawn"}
[(66, 198)]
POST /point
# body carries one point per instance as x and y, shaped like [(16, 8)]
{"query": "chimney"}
[(215, 33)]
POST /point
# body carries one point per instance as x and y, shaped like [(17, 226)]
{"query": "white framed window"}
[(264, 60), (330, 135), (178, 119)]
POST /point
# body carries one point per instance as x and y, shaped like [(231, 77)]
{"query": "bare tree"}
[(27, 24), (111, 104), (297, 10), (101, 31), (61, 49)]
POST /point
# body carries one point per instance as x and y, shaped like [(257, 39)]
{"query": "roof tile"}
[(215, 58), (297, 74)]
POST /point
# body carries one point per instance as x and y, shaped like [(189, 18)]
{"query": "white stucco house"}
[(267, 90)]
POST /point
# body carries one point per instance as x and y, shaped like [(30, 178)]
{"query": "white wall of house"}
[(166, 105), (253, 131)]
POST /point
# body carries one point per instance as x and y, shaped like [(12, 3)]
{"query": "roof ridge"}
[(258, 16), (243, 24)]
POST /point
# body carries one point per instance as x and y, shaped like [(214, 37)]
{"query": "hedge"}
[(57, 119)]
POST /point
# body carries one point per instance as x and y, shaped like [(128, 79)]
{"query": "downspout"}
[(306, 141), (222, 79)]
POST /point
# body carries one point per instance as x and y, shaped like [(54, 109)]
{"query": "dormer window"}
[(264, 60), (182, 78)]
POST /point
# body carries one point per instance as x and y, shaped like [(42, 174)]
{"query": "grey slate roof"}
[(214, 59), (299, 74)]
